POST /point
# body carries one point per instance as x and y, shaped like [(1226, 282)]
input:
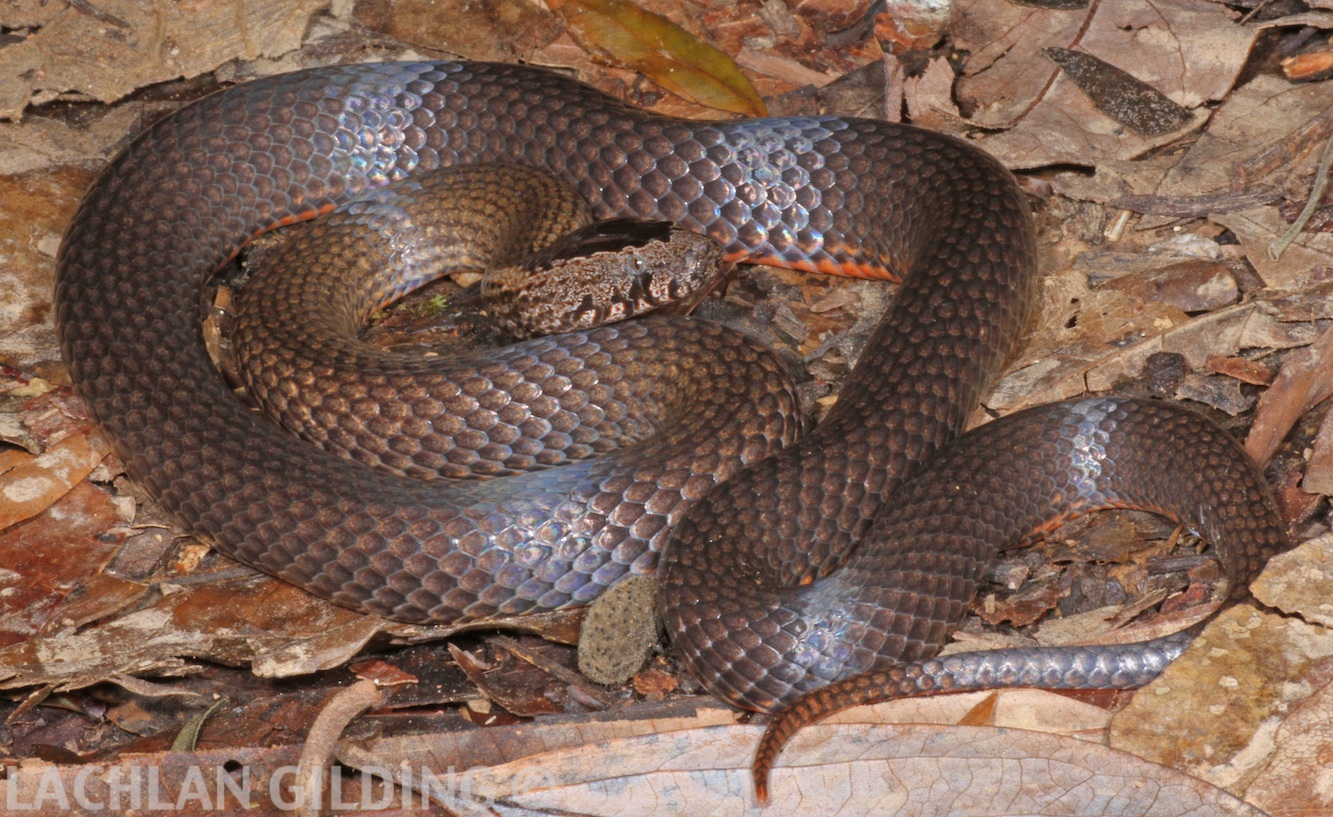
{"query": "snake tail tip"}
[(760, 784), (775, 737)]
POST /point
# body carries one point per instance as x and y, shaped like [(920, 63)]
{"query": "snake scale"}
[(738, 512)]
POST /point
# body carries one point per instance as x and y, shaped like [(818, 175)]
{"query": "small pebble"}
[(619, 631)]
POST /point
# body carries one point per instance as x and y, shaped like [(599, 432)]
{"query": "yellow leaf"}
[(661, 50)]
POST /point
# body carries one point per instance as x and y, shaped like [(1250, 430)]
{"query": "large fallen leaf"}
[(1299, 581), (1296, 777), (52, 562), (660, 49), (828, 770), (109, 48), (1212, 712), (1189, 51), (33, 484)]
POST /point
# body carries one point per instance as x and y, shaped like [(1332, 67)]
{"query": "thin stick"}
[(1276, 249)]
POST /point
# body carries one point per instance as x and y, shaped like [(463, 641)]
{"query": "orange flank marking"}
[(285, 221), (850, 268), (296, 218), (1050, 525)]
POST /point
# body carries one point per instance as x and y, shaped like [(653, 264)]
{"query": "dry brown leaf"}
[(491, 30), (516, 686), (1189, 51), (1319, 468), (1120, 95), (1299, 581), (661, 50), (1295, 780), (258, 620), (1192, 285), (1306, 378), (1054, 369), (929, 97), (828, 770), (55, 556), (75, 49), (1260, 227), (1212, 712), (789, 70), (1248, 138), (32, 486)]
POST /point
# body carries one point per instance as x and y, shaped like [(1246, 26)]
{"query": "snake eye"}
[(635, 263)]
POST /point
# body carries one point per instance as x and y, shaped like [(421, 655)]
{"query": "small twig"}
[(1117, 227), (1254, 12), (1289, 149), (322, 741), (1199, 206), (1276, 249), (96, 13)]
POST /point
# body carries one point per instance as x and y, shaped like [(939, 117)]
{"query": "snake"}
[(777, 569), (547, 266)]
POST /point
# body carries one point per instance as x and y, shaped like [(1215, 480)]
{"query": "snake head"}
[(604, 272)]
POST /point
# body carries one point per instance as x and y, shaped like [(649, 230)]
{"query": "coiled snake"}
[(848, 196)]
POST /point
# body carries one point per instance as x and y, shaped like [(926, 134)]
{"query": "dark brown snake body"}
[(490, 414), (822, 193)]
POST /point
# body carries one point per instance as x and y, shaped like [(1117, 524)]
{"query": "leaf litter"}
[(1156, 261)]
